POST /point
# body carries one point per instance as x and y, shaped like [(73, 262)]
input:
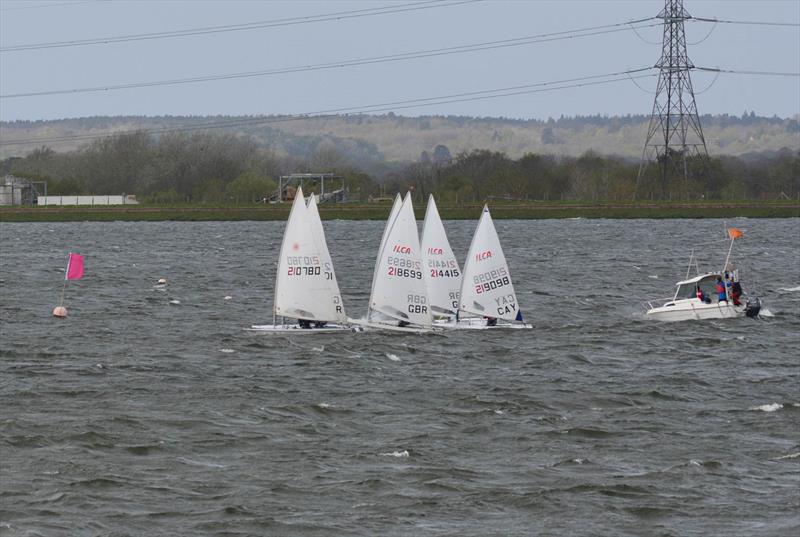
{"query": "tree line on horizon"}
[(377, 144), (216, 168)]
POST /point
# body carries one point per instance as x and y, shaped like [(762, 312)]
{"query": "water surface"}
[(151, 412)]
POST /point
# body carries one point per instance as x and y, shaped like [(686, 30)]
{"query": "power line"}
[(711, 31), (539, 87), (53, 4), (460, 49), (275, 23), (642, 38), (742, 72), (716, 77), (633, 79), (754, 23)]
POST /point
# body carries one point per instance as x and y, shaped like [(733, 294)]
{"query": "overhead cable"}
[(743, 72), (754, 23), (460, 49), (539, 87), (633, 79), (275, 23), (711, 31), (53, 4), (714, 81), (641, 37)]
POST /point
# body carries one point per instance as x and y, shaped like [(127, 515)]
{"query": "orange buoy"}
[(60, 311)]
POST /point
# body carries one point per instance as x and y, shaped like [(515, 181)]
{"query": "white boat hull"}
[(693, 309), (373, 325), (476, 323), (295, 328)]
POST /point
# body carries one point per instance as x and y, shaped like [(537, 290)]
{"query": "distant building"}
[(20, 191), (123, 199)]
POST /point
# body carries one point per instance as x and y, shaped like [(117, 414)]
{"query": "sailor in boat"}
[(722, 293), (736, 290), (309, 325), (701, 296), (491, 321)]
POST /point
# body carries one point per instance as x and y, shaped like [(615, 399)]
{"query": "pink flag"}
[(74, 267)]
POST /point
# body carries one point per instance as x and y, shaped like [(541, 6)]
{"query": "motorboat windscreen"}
[(688, 289)]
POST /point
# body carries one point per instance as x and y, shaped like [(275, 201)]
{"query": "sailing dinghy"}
[(399, 299), (305, 287), (487, 297), (440, 267)]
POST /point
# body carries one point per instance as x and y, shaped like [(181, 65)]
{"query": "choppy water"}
[(151, 412)]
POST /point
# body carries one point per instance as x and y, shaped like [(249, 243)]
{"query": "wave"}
[(204, 464), (771, 407), (573, 462), (403, 454)]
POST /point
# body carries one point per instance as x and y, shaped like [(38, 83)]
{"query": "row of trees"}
[(481, 174), (177, 167), (224, 168)]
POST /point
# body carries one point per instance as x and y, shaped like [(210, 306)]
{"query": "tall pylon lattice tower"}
[(674, 134)]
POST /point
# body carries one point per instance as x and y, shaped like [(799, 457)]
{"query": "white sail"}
[(301, 281), (398, 201), (398, 288), (440, 267), (487, 289), (318, 233)]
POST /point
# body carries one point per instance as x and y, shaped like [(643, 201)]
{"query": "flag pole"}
[(63, 289), (66, 275)]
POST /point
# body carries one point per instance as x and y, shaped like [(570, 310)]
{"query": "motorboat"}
[(708, 295)]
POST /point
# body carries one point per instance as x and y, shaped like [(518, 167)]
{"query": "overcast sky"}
[(448, 24)]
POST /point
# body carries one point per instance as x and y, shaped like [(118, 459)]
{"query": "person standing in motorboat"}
[(736, 290), (701, 296), (722, 293)]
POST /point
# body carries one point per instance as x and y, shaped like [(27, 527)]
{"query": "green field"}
[(379, 211)]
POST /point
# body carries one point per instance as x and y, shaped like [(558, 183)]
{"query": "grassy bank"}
[(349, 211)]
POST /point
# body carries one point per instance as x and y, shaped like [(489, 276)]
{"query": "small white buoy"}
[(161, 281), (60, 312), (228, 297)]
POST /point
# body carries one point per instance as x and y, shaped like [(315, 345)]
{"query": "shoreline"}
[(501, 210)]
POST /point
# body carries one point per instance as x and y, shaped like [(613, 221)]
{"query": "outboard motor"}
[(752, 307)]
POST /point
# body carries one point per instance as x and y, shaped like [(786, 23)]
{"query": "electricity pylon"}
[(674, 134)]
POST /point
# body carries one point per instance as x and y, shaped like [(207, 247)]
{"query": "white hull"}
[(295, 328), (692, 309), (476, 323), (372, 325)]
